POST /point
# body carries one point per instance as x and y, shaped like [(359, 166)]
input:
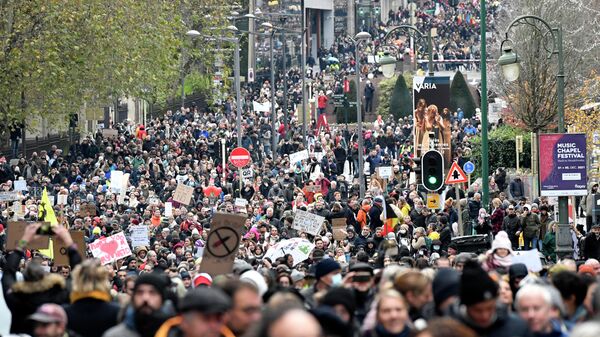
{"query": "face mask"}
[(336, 279), (436, 247), (46, 269), (402, 232)]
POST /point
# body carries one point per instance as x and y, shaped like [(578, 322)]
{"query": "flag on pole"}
[(46, 213)]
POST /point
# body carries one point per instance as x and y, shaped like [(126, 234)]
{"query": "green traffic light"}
[(432, 180)]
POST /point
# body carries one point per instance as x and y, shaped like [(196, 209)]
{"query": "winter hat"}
[(446, 284), (476, 285), (202, 279), (159, 281), (297, 276), (255, 278), (325, 267), (342, 296), (517, 270), (502, 241)]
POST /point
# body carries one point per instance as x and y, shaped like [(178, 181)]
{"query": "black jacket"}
[(591, 249), (506, 324), (91, 317)]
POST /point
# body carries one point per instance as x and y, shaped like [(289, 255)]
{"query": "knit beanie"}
[(342, 296), (325, 267), (476, 285), (446, 284), (159, 281)]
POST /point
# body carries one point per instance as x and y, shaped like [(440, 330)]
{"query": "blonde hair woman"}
[(91, 312), (391, 316)]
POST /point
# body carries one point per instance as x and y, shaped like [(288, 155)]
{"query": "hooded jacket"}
[(505, 324), (588, 202)]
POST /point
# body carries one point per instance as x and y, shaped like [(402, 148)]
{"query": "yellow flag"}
[(46, 213)]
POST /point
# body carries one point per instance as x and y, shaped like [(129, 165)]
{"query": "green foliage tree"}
[(400, 100), (57, 56), (386, 89), (502, 151), (460, 96)]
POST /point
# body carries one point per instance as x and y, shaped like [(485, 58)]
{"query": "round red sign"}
[(239, 157)]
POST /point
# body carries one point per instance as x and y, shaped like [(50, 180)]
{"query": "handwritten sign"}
[(139, 236), (183, 194), (530, 258), (168, 209), (222, 244), (111, 248), (308, 222), (298, 156), (20, 185), (339, 229), (61, 253), (9, 196), (15, 231), (61, 199), (110, 133), (385, 172)]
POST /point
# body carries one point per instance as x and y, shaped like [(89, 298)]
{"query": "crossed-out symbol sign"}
[(222, 242)]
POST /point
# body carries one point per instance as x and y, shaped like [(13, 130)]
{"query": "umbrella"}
[(297, 247), (212, 191), (590, 106), (332, 59)]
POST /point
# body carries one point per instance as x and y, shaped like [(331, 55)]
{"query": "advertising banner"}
[(563, 165), (431, 102)]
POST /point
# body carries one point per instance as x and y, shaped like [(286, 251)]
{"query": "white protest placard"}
[(111, 248), (168, 209), (240, 202), (139, 236), (247, 173), (20, 185), (9, 196), (61, 199), (183, 194), (385, 172), (530, 258), (298, 156), (308, 222), (52, 200), (261, 107), (116, 181)]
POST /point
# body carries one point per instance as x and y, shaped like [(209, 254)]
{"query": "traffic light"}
[(432, 170)]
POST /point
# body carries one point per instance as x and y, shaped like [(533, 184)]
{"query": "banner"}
[(139, 236), (298, 156), (308, 222), (431, 101), (111, 248), (563, 165)]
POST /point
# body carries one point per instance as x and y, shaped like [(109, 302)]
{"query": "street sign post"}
[(239, 157), (433, 200), (469, 168), (456, 176)]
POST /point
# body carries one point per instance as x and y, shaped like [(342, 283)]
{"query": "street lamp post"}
[(388, 62), (485, 168), (361, 171), (273, 113), (509, 61)]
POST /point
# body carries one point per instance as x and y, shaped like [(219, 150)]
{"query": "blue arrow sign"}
[(469, 167)]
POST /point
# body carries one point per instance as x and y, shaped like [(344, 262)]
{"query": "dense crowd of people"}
[(395, 268)]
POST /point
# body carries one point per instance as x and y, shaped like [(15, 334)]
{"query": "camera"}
[(45, 229)]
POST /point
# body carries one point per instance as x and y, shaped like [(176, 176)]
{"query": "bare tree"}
[(533, 96)]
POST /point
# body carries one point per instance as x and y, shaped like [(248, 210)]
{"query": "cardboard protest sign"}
[(61, 256), (110, 133), (15, 231), (183, 194), (116, 181), (111, 248), (87, 210), (385, 172), (222, 244), (339, 228), (308, 222), (139, 236)]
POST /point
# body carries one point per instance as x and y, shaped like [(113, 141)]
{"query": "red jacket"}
[(322, 103)]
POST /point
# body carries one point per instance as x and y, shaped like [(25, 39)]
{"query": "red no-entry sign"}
[(239, 157)]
